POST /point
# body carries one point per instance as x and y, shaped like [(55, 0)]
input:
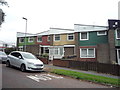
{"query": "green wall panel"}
[(27, 43), (93, 39)]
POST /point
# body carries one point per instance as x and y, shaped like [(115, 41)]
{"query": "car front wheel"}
[(23, 68), (8, 64)]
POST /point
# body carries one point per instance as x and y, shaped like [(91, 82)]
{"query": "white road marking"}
[(33, 78), (43, 77), (58, 77)]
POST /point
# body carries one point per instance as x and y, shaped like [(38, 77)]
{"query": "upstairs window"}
[(87, 53), (70, 36), (118, 34), (48, 39), (39, 39), (21, 40), (57, 38), (101, 33), (30, 39), (84, 36)]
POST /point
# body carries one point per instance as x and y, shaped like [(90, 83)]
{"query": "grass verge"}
[(88, 77)]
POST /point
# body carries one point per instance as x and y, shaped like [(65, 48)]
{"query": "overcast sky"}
[(43, 14)]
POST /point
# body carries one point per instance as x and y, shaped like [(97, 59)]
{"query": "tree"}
[(3, 2), (2, 14)]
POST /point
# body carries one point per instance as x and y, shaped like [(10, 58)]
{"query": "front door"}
[(118, 56)]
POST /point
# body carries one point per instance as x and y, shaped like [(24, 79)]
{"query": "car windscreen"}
[(28, 56)]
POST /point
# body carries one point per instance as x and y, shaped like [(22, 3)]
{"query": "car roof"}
[(19, 52)]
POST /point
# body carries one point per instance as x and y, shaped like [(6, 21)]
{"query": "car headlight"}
[(30, 63)]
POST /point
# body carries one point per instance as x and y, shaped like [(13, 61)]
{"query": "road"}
[(14, 78)]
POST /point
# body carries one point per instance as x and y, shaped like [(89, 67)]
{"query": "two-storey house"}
[(92, 43), (114, 40), (27, 42), (43, 40), (63, 43), (88, 42)]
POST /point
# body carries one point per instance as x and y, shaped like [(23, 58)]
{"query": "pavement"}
[(87, 72)]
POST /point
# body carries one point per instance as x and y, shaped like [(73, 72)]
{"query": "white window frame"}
[(70, 34), (44, 49), (54, 37), (118, 56), (48, 38), (116, 34), (30, 38), (20, 48), (38, 39), (20, 40), (58, 50), (87, 52), (87, 36), (98, 34)]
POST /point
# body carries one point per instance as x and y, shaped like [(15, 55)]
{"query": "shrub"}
[(45, 55)]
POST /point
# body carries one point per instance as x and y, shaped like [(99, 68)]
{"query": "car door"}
[(12, 58), (19, 60)]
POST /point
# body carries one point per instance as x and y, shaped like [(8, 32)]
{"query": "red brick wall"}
[(44, 60), (44, 41), (61, 63)]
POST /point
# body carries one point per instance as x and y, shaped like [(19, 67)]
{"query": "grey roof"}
[(21, 34), (89, 28), (56, 31), (77, 28)]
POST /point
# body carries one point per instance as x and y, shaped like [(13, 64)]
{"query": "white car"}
[(24, 61), (3, 56)]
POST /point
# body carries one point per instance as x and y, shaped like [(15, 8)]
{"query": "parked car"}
[(3, 56), (24, 61)]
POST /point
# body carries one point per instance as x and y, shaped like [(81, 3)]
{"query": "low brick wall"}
[(92, 66), (44, 60), (61, 63)]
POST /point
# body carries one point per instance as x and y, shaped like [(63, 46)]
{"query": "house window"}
[(46, 50), (101, 33), (21, 40), (118, 34), (30, 39), (48, 38), (70, 36), (56, 51), (39, 39), (57, 37), (20, 48), (84, 36), (87, 53)]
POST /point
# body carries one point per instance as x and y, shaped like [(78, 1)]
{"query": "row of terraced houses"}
[(83, 43)]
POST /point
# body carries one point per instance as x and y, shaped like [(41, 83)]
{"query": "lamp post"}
[(25, 33)]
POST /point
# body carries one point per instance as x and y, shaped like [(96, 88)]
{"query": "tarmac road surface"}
[(14, 78)]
